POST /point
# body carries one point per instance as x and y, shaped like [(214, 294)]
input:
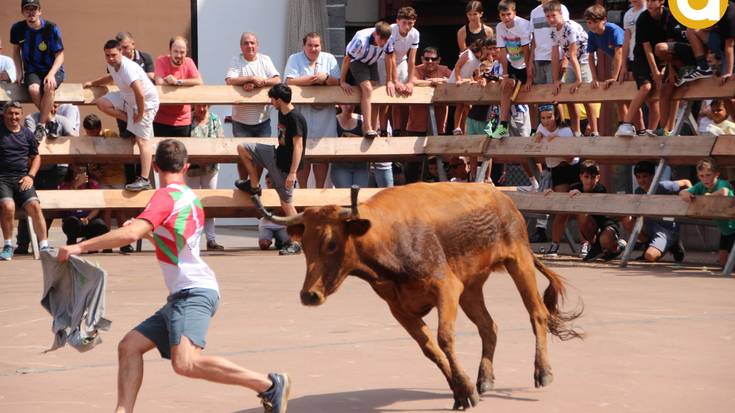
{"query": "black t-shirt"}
[(16, 148), (290, 125), (601, 220), (145, 61), (726, 26), (648, 29)]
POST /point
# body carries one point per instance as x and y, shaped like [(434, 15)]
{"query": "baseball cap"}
[(25, 3)]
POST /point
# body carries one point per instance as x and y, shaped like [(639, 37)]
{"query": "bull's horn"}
[(292, 220), (354, 191)]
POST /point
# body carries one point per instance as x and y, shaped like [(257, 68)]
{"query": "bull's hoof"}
[(485, 385), (543, 379), (464, 402)]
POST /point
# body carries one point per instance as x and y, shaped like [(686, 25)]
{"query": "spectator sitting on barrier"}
[(109, 175), (346, 174), (659, 235), (268, 230), (81, 224), (175, 69), (283, 161), (314, 67), (359, 68), (719, 39), (38, 52), (20, 162), (206, 124), (710, 184), (601, 232), (7, 68), (251, 70), (564, 173)]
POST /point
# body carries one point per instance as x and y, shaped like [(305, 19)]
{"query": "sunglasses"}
[(431, 59), (13, 104)]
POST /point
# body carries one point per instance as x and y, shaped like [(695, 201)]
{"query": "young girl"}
[(564, 171), (475, 27), (464, 72)]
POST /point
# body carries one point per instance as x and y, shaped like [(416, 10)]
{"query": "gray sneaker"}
[(275, 399), (7, 253), (292, 248), (140, 184)]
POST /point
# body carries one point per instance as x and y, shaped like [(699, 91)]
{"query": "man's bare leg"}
[(7, 214), (33, 209), (130, 369), (146, 156)]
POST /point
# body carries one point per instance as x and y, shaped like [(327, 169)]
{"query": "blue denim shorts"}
[(186, 313)]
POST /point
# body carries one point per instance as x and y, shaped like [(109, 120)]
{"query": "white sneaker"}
[(584, 250), (625, 129), (526, 188)]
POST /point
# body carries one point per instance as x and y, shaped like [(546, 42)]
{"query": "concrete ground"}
[(659, 338)]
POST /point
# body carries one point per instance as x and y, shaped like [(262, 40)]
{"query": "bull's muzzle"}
[(311, 298)]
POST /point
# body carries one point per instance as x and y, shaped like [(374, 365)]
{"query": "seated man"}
[(602, 233), (20, 160), (81, 223), (659, 235), (283, 161)]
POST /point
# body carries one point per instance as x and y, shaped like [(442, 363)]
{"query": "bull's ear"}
[(296, 232), (357, 227)]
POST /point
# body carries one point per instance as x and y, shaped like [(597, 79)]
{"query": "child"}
[(629, 20), (464, 72), (600, 232), (359, 68), (710, 184), (513, 38), (475, 27), (572, 39), (608, 38), (721, 124), (564, 171)]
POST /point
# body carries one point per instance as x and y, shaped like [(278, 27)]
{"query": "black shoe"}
[(291, 249), (678, 251), (128, 249), (21, 251), (51, 128), (538, 236), (244, 185), (40, 132), (595, 251)]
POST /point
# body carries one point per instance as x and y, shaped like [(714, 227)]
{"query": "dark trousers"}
[(161, 130), (74, 228), (45, 179)]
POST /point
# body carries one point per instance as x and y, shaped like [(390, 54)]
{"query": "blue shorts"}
[(660, 237), (186, 313)]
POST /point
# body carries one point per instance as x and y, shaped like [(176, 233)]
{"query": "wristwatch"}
[(179, 82)]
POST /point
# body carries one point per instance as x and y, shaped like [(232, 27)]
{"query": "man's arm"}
[(729, 55), (626, 52), (18, 64), (343, 75), (137, 229), (411, 71), (575, 66), (139, 100), (617, 63), (298, 149), (104, 80)]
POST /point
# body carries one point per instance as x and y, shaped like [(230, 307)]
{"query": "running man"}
[(175, 218)]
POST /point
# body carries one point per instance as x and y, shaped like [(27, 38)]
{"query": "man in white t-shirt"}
[(513, 36), (7, 67), (251, 70), (136, 102)]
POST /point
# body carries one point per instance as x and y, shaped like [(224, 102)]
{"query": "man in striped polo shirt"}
[(174, 220), (359, 68)]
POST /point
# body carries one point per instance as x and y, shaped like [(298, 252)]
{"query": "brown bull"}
[(433, 245)]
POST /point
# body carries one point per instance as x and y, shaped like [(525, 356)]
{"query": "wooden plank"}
[(676, 149), (223, 202), (391, 149), (724, 150), (624, 205), (66, 93)]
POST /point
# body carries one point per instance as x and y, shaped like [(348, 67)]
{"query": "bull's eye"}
[(331, 246)]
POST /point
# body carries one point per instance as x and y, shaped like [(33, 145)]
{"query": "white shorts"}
[(142, 129), (401, 67)]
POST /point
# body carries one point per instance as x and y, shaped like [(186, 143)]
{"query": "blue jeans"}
[(261, 130), (383, 177), (344, 175)]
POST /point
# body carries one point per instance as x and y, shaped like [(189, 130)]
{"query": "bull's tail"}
[(558, 323)]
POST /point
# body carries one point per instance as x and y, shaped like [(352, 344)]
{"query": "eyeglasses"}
[(431, 59), (13, 104)]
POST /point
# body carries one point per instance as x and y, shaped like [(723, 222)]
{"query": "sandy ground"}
[(659, 338)]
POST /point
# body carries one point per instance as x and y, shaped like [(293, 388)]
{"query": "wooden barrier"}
[(229, 95)]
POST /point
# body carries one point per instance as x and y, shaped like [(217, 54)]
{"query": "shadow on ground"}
[(381, 400)]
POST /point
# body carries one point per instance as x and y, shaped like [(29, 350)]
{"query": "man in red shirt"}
[(175, 69)]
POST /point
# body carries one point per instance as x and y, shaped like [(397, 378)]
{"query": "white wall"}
[(221, 22)]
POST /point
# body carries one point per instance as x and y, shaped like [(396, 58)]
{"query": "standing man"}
[(136, 102), (251, 70), (7, 68), (282, 162), (176, 69), (20, 160), (38, 52), (175, 218), (312, 67)]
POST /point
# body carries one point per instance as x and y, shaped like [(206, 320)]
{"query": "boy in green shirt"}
[(710, 185)]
